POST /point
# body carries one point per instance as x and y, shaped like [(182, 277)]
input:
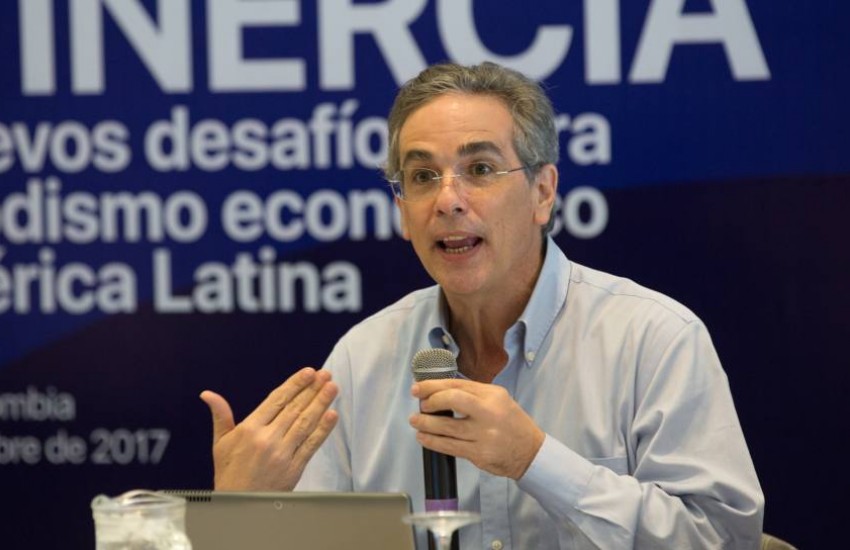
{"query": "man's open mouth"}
[(458, 245)]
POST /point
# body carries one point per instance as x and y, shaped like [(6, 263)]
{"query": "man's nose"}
[(450, 196)]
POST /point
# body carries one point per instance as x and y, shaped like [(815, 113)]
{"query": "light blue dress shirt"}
[(643, 446)]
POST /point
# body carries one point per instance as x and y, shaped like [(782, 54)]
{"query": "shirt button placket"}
[(494, 498)]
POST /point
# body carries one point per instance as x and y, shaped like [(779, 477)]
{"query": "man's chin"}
[(460, 284)]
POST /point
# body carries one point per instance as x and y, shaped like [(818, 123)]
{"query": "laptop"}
[(223, 520)]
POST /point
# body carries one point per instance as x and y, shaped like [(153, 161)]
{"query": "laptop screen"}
[(220, 520)]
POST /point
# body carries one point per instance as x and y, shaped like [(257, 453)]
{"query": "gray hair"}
[(535, 138)]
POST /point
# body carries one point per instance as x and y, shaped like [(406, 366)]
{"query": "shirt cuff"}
[(557, 477)]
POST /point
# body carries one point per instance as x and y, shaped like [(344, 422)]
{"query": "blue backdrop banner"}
[(191, 197)]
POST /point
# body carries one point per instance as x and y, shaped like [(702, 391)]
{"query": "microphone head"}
[(434, 364)]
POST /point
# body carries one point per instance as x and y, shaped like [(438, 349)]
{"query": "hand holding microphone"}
[(492, 431)]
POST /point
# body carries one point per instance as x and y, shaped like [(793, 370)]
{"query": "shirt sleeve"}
[(690, 481)]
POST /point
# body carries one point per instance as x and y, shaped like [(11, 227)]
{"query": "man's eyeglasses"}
[(418, 184)]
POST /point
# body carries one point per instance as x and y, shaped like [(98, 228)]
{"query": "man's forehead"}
[(460, 124), (489, 111)]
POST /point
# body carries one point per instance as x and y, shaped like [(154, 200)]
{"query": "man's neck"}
[(480, 335), (478, 325)]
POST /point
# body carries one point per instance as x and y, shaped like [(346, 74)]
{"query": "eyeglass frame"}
[(397, 182)]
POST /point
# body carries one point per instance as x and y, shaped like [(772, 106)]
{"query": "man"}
[(591, 412)]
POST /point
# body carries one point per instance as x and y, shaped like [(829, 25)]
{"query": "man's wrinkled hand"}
[(491, 430), (269, 449)]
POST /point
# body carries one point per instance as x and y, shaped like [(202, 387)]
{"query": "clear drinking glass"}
[(442, 524), (140, 520)]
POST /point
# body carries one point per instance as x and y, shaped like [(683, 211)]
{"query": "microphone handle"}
[(441, 481), (440, 485)]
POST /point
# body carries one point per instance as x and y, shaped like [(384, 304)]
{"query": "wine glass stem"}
[(444, 542)]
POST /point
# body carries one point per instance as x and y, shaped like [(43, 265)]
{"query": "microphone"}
[(440, 471)]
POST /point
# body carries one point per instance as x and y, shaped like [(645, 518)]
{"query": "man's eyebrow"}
[(475, 147), (416, 154)]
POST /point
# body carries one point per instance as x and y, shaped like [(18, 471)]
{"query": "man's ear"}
[(405, 231), (546, 186)]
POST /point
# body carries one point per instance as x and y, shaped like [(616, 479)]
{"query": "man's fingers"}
[(454, 428), (297, 424), (222, 414), (280, 397), (446, 445), (426, 388), (305, 451), (458, 400), (290, 414)]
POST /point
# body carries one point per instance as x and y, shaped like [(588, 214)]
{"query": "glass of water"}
[(140, 520)]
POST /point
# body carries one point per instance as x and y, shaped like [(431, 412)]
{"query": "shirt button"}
[(496, 545), (529, 356)]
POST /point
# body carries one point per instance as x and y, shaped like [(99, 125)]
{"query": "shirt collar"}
[(439, 336), (547, 300)]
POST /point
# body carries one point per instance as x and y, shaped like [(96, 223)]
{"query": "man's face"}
[(484, 244)]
